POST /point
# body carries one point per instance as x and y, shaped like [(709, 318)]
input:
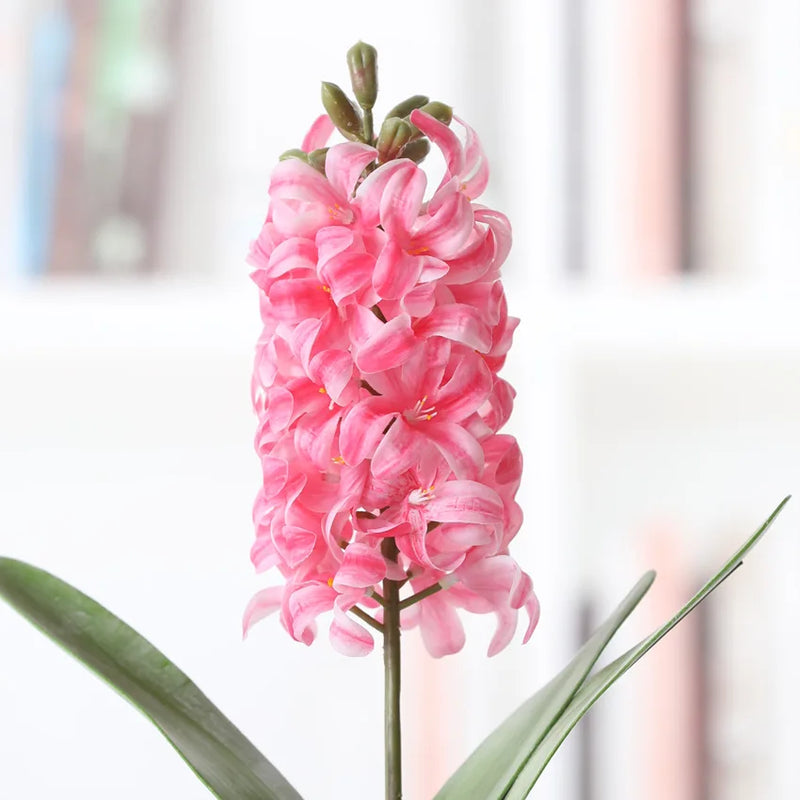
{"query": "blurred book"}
[(101, 78)]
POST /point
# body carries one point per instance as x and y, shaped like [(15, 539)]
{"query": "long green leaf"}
[(595, 687), (229, 765), (491, 769)]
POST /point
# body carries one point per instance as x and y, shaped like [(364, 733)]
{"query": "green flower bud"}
[(416, 150), (342, 112), (407, 106), (294, 153), (394, 134), (440, 111), (362, 63), (317, 159)]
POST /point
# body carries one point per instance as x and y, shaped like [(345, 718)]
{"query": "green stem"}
[(415, 598), (368, 133), (362, 615), (391, 671)]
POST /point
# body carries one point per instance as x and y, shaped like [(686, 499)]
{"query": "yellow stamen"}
[(325, 289), (418, 251), (330, 581), (337, 460), (321, 390)]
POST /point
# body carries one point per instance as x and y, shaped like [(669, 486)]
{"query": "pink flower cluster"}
[(378, 398)]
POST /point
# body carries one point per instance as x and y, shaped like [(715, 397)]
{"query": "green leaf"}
[(229, 765), (596, 686), (491, 769)]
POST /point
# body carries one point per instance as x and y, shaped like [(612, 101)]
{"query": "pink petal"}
[(347, 273), (533, 609), (369, 194), (506, 625), (501, 231), (442, 136), (446, 232), (397, 451), (276, 473), (476, 168), (294, 253), (466, 501), (460, 449), (440, 626), (466, 391), (318, 134), (420, 301), (294, 544), (362, 428), (299, 218), (361, 567), (295, 180), (262, 604), (344, 165), (401, 201), (305, 604), (389, 347), (396, 272), (295, 299), (348, 637), (457, 322), (333, 369)]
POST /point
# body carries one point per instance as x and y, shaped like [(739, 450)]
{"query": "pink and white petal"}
[(261, 605), (458, 537), (441, 628), (443, 137), (463, 453), (504, 633), (263, 554), (368, 196), (501, 231), (362, 567), (396, 271), (533, 609), (299, 217), (420, 301), (398, 450), (402, 200), (295, 180), (459, 323), (348, 637), (334, 370), (293, 544), (362, 427), (472, 264), (362, 325), (446, 232), (305, 604), (466, 502), (347, 274), (298, 299), (466, 391), (292, 254), (432, 269), (476, 166), (314, 437), (280, 408), (388, 347), (276, 474), (344, 164), (318, 134)]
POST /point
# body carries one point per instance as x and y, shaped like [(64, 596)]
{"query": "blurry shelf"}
[(681, 320)]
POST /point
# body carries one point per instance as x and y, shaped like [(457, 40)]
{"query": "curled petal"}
[(344, 165), (467, 501), (442, 136), (462, 452), (442, 631), (362, 429), (401, 200), (294, 544), (262, 604), (347, 636), (370, 194), (467, 389), (399, 448), (298, 299), (476, 166), (389, 347), (361, 567), (459, 323), (318, 134), (305, 604), (446, 232), (396, 271)]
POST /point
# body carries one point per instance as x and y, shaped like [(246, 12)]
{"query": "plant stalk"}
[(391, 671)]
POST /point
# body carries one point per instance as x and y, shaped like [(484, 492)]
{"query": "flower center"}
[(420, 413), (421, 496)]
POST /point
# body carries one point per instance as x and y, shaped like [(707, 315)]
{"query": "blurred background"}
[(648, 155)]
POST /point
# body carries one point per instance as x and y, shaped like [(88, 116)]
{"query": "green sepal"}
[(343, 112)]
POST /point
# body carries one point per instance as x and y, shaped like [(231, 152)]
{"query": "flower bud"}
[(394, 134), (407, 106), (294, 153), (416, 150), (362, 63), (317, 159), (440, 111), (342, 111)]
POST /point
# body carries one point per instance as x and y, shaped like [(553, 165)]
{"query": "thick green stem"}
[(391, 671), (368, 132)]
